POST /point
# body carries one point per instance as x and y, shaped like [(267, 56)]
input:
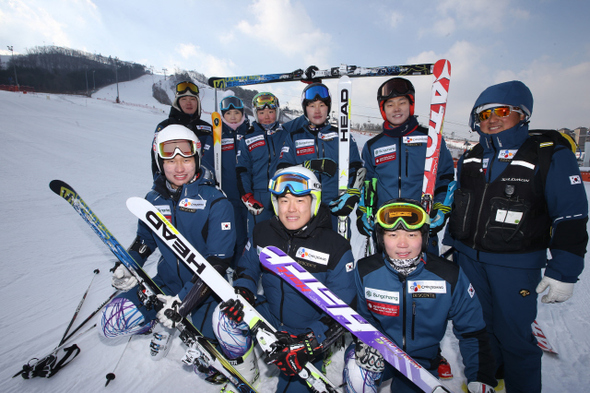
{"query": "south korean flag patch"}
[(226, 226), (575, 179)]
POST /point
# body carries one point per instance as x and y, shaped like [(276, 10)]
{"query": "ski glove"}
[(345, 203), (478, 387), (169, 315), (290, 353), (558, 291), (233, 308), (254, 207), (363, 225), (122, 278), (438, 217), (368, 358), (325, 166)]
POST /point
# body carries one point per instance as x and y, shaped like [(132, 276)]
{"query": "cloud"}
[(199, 60), (479, 14), (287, 29)]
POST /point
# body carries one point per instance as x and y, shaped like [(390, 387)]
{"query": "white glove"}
[(558, 291), (368, 358), (478, 387), (122, 278), (169, 318)]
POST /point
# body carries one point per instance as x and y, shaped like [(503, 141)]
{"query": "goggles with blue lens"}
[(314, 92), (294, 183), (231, 102), (402, 215), (262, 101)]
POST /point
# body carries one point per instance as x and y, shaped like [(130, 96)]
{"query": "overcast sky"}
[(544, 43)]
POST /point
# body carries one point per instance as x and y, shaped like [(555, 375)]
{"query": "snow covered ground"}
[(49, 254)]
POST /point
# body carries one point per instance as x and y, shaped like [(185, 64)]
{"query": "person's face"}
[(317, 112), (266, 115), (495, 124), (402, 244), (233, 116), (294, 211), (397, 110), (189, 105), (180, 170)]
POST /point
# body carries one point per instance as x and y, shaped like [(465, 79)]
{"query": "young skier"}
[(258, 157), (410, 296), (529, 197), (235, 124), (185, 110), (315, 146), (188, 198), (302, 229), (395, 159)]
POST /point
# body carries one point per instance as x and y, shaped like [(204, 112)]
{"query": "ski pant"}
[(509, 302)]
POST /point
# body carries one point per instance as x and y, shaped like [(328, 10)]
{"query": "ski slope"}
[(49, 254)]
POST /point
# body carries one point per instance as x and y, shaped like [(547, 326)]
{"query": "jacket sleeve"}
[(248, 269), (244, 168), (469, 328), (287, 156), (567, 203)]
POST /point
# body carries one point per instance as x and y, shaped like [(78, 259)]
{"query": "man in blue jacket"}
[(302, 229), (186, 195), (410, 296), (517, 197)]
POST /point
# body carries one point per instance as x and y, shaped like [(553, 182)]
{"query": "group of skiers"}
[(514, 197)]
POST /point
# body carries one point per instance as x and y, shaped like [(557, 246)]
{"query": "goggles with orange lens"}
[(402, 215), (184, 147), (265, 101), (182, 87), (501, 111)]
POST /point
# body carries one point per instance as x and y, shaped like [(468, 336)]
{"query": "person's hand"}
[(122, 278), (169, 315), (478, 387), (362, 224), (254, 207), (558, 291), (345, 203), (438, 217), (368, 358), (323, 166), (290, 353)]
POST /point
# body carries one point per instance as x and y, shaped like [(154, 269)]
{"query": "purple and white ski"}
[(275, 260)]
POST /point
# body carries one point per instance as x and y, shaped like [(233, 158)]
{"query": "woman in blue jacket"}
[(186, 195), (410, 296)]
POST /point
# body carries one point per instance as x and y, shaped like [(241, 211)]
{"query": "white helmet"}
[(176, 133), (296, 180)]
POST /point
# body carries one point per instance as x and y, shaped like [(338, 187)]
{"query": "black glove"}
[(438, 217), (362, 223), (233, 308), (246, 294), (325, 166), (290, 353)]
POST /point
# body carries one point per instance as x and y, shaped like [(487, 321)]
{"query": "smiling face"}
[(496, 124), (402, 244), (233, 116), (294, 211), (266, 115), (179, 170), (397, 110)]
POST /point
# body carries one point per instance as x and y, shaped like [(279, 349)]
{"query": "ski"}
[(275, 260), (188, 332), (263, 330), (217, 128), (438, 105), (344, 93), (330, 73), (542, 340)]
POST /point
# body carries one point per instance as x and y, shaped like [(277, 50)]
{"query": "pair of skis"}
[(189, 334)]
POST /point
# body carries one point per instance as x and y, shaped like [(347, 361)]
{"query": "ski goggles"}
[(295, 183), (265, 101), (183, 87), (395, 87), (404, 215), (228, 102), (316, 91), (485, 112), (184, 147)]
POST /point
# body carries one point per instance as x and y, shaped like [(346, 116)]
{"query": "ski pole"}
[(111, 375), (96, 271), (91, 315)]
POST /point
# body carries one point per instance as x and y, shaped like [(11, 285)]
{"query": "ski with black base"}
[(189, 334), (185, 251), (275, 260), (330, 73)]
